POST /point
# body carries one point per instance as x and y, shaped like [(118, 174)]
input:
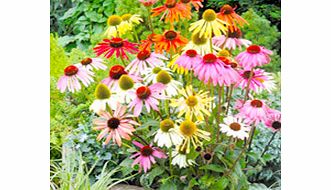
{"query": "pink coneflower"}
[(254, 111), (146, 156), (232, 41), (109, 46), (72, 75), (273, 120), (115, 74), (115, 126), (90, 63), (254, 56), (148, 3), (229, 75), (214, 70), (188, 59), (149, 96), (260, 80), (145, 59)]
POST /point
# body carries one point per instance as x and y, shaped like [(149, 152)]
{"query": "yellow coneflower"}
[(191, 135), (113, 29), (209, 25), (192, 104), (129, 20), (199, 44)]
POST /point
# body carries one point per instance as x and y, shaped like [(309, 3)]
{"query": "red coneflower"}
[(109, 46)]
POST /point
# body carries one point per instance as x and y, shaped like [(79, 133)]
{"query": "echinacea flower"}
[(254, 111), (231, 41), (148, 3), (192, 104), (208, 25), (124, 92), (149, 96), (145, 157), (151, 73), (228, 15), (273, 120), (214, 71), (145, 59), (90, 63), (172, 11), (147, 44), (188, 59), (109, 46), (168, 134), (102, 99), (116, 125), (115, 72), (72, 75), (200, 44), (192, 135), (180, 158), (235, 127), (129, 20), (260, 80), (170, 42), (254, 56), (197, 4), (113, 29), (172, 86)]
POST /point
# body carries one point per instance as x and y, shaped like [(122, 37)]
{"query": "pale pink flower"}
[(254, 56), (254, 111), (90, 63), (260, 80), (273, 120), (145, 59), (115, 126), (72, 75), (188, 59), (115, 74), (149, 96), (232, 41), (145, 157)]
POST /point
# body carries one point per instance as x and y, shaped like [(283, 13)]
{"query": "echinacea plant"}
[(197, 101)]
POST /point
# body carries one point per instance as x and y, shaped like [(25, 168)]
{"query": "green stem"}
[(139, 137), (211, 44), (170, 160), (229, 99), (123, 61), (135, 34), (150, 20), (266, 147)]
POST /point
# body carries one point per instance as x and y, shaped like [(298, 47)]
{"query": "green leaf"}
[(258, 186), (63, 41), (95, 17), (220, 184), (69, 13), (212, 167)]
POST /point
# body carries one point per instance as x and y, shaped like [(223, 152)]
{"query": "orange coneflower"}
[(147, 44), (196, 3), (169, 41), (229, 15), (172, 11)]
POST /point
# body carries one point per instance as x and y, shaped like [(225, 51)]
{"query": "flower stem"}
[(250, 138), (170, 160), (211, 44), (229, 99), (123, 61), (139, 137), (266, 147), (150, 20), (135, 35), (219, 110)]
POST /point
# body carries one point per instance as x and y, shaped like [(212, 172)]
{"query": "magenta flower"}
[(72, 75), (109, 46), (145, 59), (188, 59), (260, 80), (254, 111), (213, 70), (115, 73), (148, 95), (273, 120), (146, 156), (115, 126), (254, 56)]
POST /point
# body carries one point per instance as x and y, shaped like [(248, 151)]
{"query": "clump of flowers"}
[(197, 100)]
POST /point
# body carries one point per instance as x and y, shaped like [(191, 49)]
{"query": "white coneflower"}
[(102, 95), (235, 127), (167, 135)]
